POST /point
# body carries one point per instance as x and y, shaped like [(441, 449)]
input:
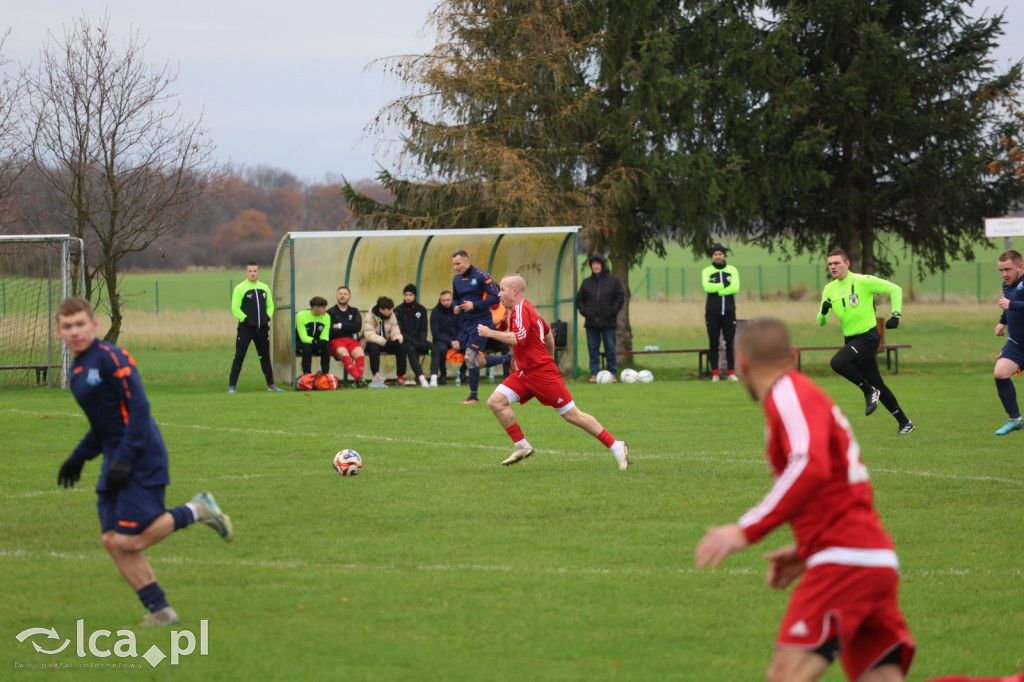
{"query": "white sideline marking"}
[(482, 568)]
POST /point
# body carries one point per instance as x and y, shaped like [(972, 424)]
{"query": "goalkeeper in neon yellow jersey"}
[(851, 297)]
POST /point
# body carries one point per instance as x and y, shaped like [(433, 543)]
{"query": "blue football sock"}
[(1008, 396), (492, 360), (474, 379), (182, 515), (152, 597)]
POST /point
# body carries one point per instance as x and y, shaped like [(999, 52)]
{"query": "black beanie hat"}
[(408, 288)]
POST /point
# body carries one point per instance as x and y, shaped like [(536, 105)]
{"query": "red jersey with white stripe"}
[(530, 329), (821, 487)]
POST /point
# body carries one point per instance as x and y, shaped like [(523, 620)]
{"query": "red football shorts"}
[(857, 605), (346, 343), (546, 386)]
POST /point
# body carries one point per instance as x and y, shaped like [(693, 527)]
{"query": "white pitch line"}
[(291, 564), (955, 477)]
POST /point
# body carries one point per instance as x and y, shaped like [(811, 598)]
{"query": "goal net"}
[(35, 274)]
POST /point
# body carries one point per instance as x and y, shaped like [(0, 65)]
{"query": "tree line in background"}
[(800, 126)]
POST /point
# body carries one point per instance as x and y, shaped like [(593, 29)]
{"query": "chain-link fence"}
[(963, 282)]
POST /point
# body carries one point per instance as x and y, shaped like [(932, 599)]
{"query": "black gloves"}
[(118, 473), (715, 278), (70, 472), (319, 346), (893, 321), (826, 306)]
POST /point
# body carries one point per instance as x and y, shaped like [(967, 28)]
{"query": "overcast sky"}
[(283, 83)]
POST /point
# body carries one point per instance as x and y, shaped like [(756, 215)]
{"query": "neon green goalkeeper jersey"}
[(853, 301)]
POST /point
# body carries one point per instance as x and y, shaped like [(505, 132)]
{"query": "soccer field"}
[(437, 563)]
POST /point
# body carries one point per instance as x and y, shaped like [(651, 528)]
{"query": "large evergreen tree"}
[(909, 103)]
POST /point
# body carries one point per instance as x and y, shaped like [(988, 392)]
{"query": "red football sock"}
[(360, 366), (350, 366), (515, 433), (606, 438)]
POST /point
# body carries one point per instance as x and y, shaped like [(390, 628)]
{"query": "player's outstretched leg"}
[(588, 423), (208, 512)]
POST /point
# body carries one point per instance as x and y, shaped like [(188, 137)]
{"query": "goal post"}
[(381, 262), (36, 273)]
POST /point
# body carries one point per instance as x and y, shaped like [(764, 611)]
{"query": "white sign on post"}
[(1004, 227)]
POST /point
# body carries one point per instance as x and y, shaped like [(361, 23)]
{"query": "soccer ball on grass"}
[(605, 377), (628, 376), (645, 376), (348, 462)]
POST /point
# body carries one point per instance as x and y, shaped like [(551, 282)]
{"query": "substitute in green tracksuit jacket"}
[(253, 305), (313, 328), (721, 282), (852, 298)]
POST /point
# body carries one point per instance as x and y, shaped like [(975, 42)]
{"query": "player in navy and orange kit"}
[(134, 473), (535, 375), (473, 294), (846, 603), (1010, 325)]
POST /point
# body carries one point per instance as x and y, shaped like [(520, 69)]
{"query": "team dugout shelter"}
[(380, 263)]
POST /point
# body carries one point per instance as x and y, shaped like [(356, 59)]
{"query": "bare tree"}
[(122, 166), (11, 161)]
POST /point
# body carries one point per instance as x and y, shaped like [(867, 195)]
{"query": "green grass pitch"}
[(437, 563)]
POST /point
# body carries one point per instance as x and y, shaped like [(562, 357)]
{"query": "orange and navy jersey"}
[(821, 486), (106, 384), (479, 287)]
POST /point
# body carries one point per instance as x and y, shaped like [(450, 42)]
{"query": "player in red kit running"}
[(535, 375), (846, 602)]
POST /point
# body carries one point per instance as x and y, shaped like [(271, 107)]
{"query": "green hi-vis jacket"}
[(721, 285), (252, 304), (310, 327), (853, 301)]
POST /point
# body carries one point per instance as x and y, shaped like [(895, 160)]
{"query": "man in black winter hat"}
[(412, 321), (599, 301)]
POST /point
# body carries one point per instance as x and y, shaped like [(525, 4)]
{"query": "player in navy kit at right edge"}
[(1011, 325)]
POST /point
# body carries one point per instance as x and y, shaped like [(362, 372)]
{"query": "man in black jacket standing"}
[(599, 301)]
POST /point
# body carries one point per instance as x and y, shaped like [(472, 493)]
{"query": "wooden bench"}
[(892, 354), (41, 370)]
